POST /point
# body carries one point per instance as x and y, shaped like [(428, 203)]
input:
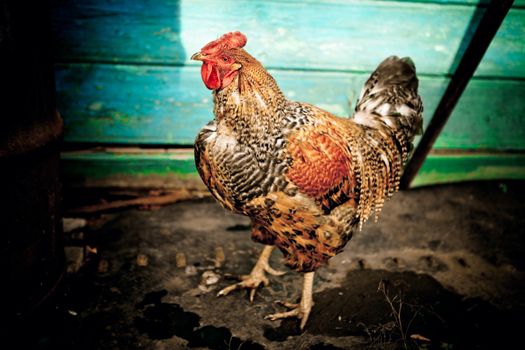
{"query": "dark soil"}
[(444, 268)]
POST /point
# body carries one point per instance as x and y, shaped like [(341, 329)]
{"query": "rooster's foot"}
[(301, 310), (256, 277)]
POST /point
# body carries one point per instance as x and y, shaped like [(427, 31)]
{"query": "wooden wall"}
[(125, 83)]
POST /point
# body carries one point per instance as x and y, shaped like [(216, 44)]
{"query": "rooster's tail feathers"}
[(390, 110), (390, 99)]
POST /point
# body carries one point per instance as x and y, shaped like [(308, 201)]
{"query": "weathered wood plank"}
[(168, 105), (130, 168), (476, 48), (447, 168), (489, 115), (349, 35), (509, 42), (517, 3), (173, 169)]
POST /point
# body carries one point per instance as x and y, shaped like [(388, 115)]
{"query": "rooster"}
[(306, 178)]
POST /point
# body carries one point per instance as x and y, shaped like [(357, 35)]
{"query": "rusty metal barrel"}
[(32, 249)]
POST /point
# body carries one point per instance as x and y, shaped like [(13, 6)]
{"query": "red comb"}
[(227, 41)]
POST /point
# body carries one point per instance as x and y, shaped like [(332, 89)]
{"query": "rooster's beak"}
[(198, 56)]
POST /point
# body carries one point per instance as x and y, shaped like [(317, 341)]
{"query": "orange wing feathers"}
[(322, 165), (319, 163)]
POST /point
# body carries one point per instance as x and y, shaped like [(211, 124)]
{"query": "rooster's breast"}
[(234, 172)]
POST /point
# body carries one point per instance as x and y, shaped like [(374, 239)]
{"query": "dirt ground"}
[(444, 268)]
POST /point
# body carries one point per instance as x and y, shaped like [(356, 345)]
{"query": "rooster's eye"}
[(225, 59)]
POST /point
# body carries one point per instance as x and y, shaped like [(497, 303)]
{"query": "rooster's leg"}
[(301, 310), (257, 276)]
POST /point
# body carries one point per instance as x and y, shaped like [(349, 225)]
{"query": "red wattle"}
[(210, 76)]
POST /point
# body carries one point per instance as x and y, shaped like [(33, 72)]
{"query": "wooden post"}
[(488, 26)]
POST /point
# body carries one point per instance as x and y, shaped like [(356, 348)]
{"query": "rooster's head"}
[(220, 60)]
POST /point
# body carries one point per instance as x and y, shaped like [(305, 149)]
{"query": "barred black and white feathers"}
[(390, 110), (390, 99)]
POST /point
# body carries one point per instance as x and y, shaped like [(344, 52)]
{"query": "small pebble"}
[(219, 256), (72, 313), (180, 260), (209, 277), (115, 290), (190, 270), (142, 260)]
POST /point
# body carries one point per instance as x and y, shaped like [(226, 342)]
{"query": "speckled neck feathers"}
[(252, 106)]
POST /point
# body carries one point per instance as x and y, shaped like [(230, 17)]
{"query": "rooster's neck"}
[(252, 106)]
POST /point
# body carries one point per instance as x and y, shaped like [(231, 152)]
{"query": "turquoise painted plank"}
[(168, 105), (517, 3), (176, 168), (509, 42), (131, 104), (328, 35), (489, 115)]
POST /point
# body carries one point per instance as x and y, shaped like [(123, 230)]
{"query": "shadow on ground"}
[(443, 269)]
